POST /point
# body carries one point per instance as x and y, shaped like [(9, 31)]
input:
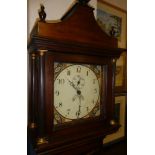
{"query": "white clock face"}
[(76, 91)]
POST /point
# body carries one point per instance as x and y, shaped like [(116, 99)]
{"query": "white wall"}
[(53, 8), (119, 3)]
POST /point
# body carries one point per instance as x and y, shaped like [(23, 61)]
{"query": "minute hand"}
[(72, 84)]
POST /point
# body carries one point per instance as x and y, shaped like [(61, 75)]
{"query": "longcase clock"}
[(71, 78)]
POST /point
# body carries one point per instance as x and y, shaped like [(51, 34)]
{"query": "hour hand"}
[(72, 84)]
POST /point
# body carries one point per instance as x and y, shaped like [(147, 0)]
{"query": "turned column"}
[(41, 98)]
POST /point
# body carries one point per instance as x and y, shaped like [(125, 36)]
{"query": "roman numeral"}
[(95, 90), (78, 113), (60, 104), (57, 92), (61, 81), (78, 69), (68, 111), (87, 109), (68, 72), (87, 73)]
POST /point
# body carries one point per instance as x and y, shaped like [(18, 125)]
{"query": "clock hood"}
[(77, 28)]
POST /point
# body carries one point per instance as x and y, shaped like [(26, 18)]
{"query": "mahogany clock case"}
[(76, 39), (79, 129), (106, 94)]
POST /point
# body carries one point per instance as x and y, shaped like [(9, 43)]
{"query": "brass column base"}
[(32, 125), (42, 140)]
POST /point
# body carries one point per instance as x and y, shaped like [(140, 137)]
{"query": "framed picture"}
[(120, 117), (121, 74), (108, 21), (109, 18)]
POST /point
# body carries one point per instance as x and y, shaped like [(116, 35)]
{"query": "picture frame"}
[(120, 117), (121, 63), (102, 6), (121, 74)]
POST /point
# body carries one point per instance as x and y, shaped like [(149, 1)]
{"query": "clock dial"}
[(76, 90)]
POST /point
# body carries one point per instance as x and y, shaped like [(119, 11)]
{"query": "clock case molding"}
[(76, 38)]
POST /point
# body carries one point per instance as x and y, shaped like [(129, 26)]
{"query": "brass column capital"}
[(42, 52)]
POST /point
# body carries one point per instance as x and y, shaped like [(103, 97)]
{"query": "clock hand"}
[(72, 84), (74, 97), (82, 97), (78, 91), (78, 82), (79, 111)]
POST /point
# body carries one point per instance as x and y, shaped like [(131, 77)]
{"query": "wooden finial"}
[(83, 2), (42, 13)]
